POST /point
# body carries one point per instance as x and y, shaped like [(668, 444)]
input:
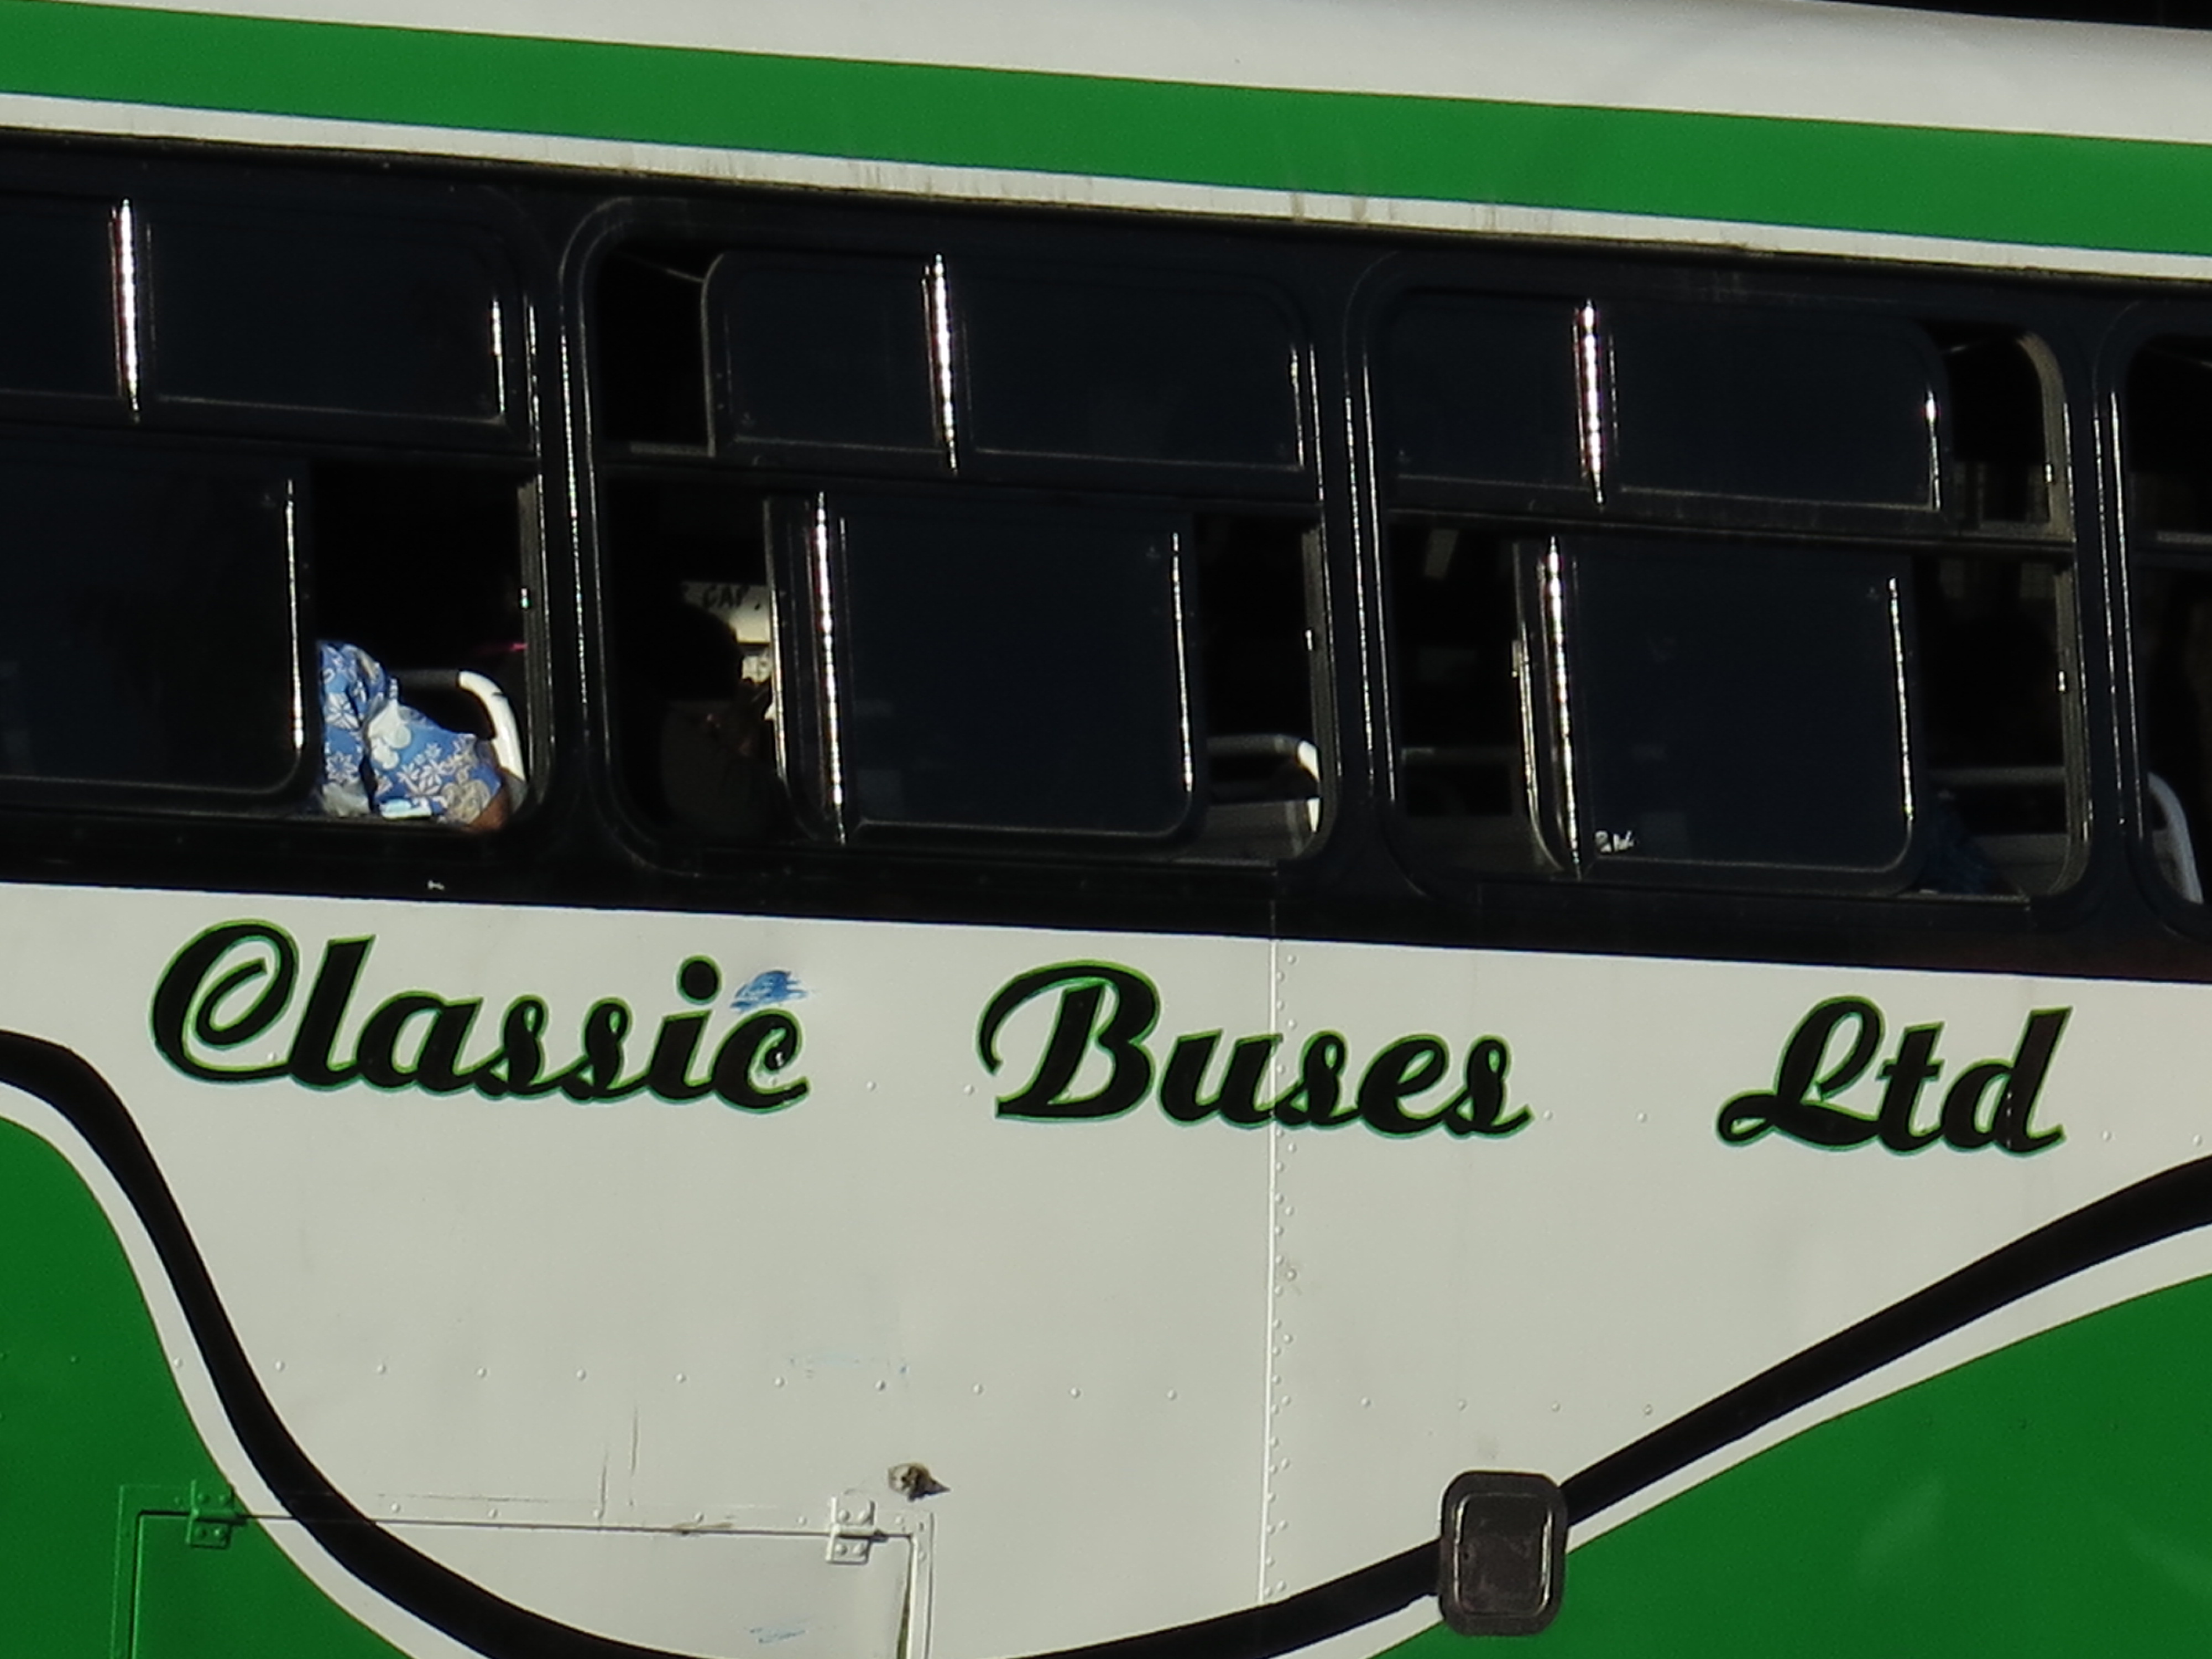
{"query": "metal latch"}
[(1503, 1549), (852, 1528)]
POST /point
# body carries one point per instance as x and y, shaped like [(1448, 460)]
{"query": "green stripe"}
[(2124, 195), (2047, 1501)]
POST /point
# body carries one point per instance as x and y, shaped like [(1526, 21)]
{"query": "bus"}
[(1320, 829)]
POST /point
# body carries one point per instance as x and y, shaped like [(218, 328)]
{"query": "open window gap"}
[(649, 350)]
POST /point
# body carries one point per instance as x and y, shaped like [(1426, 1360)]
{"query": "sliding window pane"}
[(1734, 705), (2168, 439), (1770, 406), (1483, 391), (1011, 669), (352, 316), (830, 352), (58, 312), (146, 624), (1130, 372)]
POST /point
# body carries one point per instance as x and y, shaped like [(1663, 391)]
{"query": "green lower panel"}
[(246, 1599), (2050, 1501), (87, 1409), (2054, 1498)]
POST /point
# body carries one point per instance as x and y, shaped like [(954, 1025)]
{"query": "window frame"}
[(512, 431), (1506, 509), (120, 452), (1193, 490), (2137, 550), (812, 557), (163, 835)]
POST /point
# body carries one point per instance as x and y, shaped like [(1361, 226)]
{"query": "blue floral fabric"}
[(380, 756)]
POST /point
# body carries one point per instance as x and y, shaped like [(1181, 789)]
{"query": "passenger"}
[(718, 767), (383, 759), (717, 757)]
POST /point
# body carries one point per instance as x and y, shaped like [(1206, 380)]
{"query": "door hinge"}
[(212, 1517), (852, 1528)]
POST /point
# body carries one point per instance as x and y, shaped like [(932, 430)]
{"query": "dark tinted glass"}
[(1129, 373), (1996, 438), (2169, 435), (386, 535), (1458, 666), (1483, 390), (1767, 405), (58, 298), (2173, 642), (828, 353), (1995, 680), (146, 629), (1012, 670), (649, 350), (324, 314), (1738, 706)]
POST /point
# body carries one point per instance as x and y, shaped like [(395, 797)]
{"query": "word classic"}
[(234, 983), (1110, 1011), (1990, 1104)]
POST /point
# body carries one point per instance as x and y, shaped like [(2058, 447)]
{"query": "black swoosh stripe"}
[(2172, 1202), (404, 1575), (2161, 1206)]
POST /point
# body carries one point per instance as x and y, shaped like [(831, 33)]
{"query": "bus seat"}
[(2032, 860), (492, 717), (2170, 841), (1301, 781), (1266, 796)]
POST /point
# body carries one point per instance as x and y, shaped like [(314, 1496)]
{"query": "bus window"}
[(1997, 686), (345, 316), (1461, 683), (647, 339), (146, 628), (1731, 707), (1168, 660), (2003, 429), (696, 670), (798, 651), (57, 299), (1129, 372), (828, 353), (1624, 708), (1485, 390), (1889, 715), (999, 668), (2173, 636), (422, 566), (2168, 410), (1256, 590), (2167, 437), (1771, 405)]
